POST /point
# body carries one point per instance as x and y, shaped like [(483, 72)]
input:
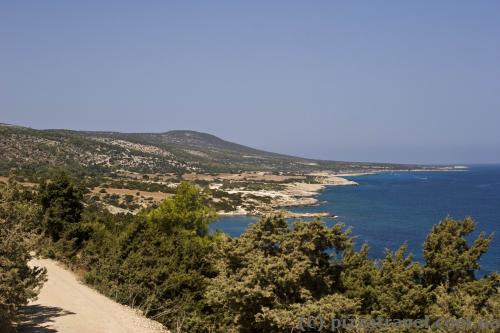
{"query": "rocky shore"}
[(293, 195)]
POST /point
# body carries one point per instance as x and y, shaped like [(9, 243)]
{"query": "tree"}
[(477, 300), (186, 210), (275, 274), (159, 262), (61, 202), (18, 282), (449, 259), (272, 274), (360, 278), (450, 274), (399, 292)]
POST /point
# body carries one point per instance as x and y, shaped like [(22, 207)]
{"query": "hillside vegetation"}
[(28, 151), (275, 277), (125, 172), (18, 222)]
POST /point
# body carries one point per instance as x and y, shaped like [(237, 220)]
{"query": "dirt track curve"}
[(65, 305)]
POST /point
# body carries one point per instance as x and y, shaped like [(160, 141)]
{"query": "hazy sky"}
[(404, 81)]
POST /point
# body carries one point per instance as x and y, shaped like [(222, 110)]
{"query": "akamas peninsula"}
[(249, 167)]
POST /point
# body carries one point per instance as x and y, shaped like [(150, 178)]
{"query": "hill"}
[(29, 150)]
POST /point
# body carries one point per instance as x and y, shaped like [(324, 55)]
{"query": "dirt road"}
[(67, 306)]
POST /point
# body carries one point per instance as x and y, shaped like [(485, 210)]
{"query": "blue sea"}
[(389, 209)]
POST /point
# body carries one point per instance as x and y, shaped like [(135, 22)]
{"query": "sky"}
[(386, 81)]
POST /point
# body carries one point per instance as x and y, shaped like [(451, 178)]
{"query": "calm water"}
[(389, 209)]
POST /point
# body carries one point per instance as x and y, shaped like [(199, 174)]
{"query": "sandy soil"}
[(67, 306)]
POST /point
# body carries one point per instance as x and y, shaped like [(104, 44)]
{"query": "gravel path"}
[(65, 305)]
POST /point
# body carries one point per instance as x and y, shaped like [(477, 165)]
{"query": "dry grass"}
[(157, 196), (244, 176), (29, 184)]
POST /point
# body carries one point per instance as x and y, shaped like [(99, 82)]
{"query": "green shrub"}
[(18, 282), (273, 274)]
